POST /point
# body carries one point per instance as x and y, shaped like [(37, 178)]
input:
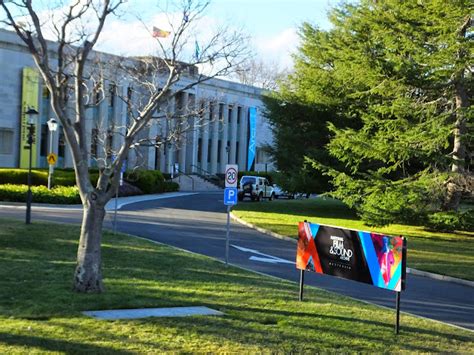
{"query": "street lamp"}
[(31, 116), (227, 149), (52, 126)]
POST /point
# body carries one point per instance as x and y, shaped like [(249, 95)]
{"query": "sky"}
[(272, 25)]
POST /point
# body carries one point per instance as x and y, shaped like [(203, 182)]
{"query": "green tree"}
[(398, 78), (299, 130)]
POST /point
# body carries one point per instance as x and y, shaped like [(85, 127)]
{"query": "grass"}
[(39, 313), (443, 253)]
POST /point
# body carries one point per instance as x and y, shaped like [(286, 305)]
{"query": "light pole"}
[(227, 150), (52, 126), (31, 115)]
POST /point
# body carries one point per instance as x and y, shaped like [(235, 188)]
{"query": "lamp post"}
[(227, 149), (31, 115), (52, 126)]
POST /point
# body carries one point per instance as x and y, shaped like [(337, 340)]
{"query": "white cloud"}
[(278, 48)]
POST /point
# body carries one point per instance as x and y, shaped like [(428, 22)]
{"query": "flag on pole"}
[(157, 33)]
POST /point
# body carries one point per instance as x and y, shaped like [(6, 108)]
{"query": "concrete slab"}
[(153, 312)]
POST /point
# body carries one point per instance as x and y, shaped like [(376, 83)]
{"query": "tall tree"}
[(401, 73), (74, 75)]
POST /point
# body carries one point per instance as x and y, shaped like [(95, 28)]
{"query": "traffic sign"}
[(52, 158), (231, 175), (230, 196)]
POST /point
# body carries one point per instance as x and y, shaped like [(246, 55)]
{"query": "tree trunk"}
[(454, 190), (88, 274)]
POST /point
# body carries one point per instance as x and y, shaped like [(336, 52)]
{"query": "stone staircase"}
[(195, 183)]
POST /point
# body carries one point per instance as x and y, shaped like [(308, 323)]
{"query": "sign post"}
[(52, 159), (230, 199), (122, 170)]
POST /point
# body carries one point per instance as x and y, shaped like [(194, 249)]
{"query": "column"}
[(214, 138), (170, 127), (225, 136), (243, 143), (205, 128), (183, 122), (192, 135), (233, 135)]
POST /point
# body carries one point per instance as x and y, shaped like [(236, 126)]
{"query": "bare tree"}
[(74, 75), (257, 73)]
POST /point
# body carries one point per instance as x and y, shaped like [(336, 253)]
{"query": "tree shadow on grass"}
[(404, 328), (47, 344)]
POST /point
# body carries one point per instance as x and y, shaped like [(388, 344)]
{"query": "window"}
[(109, 143), (229, 115), (219, 148), (44, 140), (211, 112), (94, 142), (237, 152), (6, 141), (221, 112), (61, 144), (209, 150), (112, 90), (239, 113), (199, 152)]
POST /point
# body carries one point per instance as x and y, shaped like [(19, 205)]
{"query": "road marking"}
[(266, 258)]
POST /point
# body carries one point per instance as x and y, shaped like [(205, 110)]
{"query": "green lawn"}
[(443, 253), (39, 313)]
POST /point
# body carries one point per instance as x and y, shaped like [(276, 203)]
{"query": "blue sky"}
[(272, 24), (269, 17)]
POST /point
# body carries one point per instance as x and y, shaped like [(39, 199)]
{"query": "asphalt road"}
[(198, 223)]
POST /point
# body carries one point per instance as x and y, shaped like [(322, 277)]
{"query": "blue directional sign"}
[(230, 196)]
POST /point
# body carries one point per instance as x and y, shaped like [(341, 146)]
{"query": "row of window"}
[(7, 138)]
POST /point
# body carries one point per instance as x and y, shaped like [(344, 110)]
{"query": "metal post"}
[(29, 196), (51, 168), (227, 237), (397, 322), (301, 284), (115, 212)]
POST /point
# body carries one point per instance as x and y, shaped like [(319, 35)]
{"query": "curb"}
[(409, 270), (261, 230), (440, 277)]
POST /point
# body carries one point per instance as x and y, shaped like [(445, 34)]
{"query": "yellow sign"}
[(30, 87), (52, 158)]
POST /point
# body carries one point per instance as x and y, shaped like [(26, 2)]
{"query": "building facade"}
[(228, 127)]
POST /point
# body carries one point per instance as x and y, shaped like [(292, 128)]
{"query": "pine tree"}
[(401, 74)]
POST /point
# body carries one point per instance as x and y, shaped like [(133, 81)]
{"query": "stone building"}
[(231, 118)]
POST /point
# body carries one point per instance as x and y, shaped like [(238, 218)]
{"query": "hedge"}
[(58, 195), (39, 177), (149, 181)]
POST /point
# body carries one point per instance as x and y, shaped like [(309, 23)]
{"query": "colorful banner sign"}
[(366, 257), (252, 136), (29, 99)]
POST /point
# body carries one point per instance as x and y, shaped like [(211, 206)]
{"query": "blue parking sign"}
[(230, 196)]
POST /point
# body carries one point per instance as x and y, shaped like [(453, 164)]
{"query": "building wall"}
[(210, 141)]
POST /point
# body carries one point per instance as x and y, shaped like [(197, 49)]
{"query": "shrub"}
[(149, 181), (170, 186), (450, 221), (20, 177), (39, 177), (57, 195)]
